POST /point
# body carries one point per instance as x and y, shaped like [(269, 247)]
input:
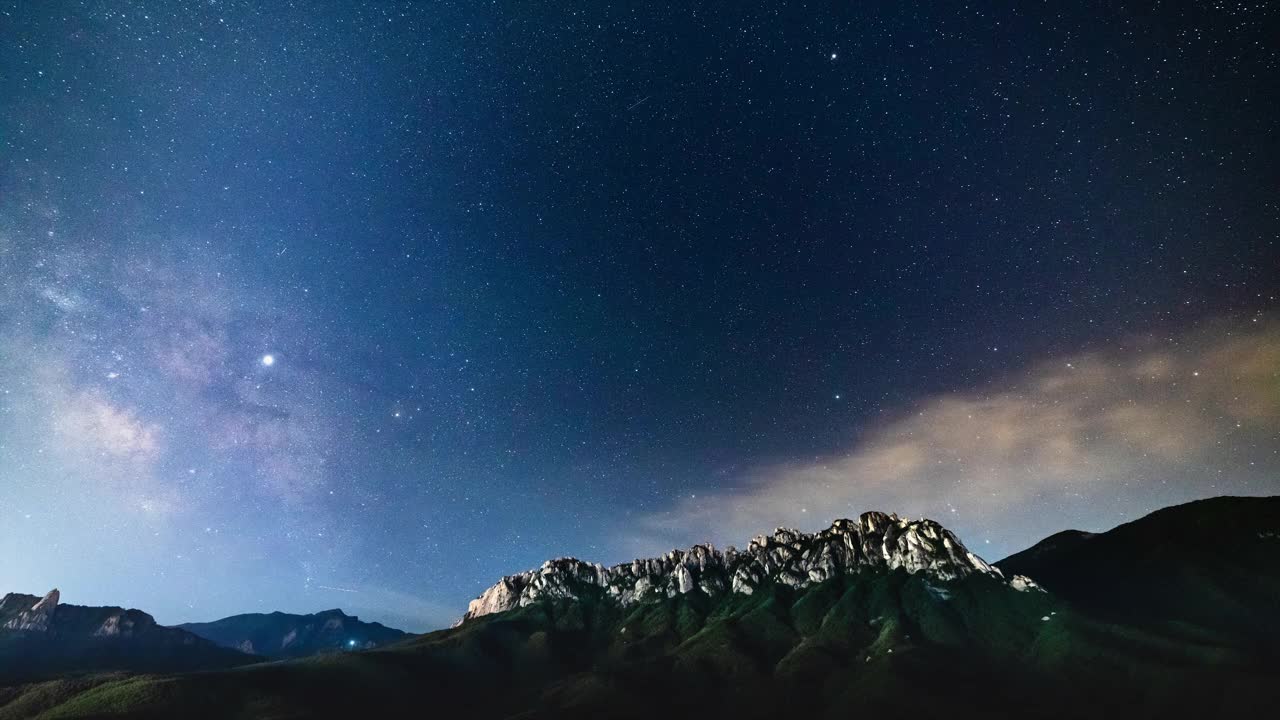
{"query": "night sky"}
[(364, 305)]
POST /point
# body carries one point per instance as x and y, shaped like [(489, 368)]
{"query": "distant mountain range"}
[(1168, 616), (281, 635), (41, 638)]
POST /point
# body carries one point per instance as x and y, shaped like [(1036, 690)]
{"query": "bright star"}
[(268, 360), (833, 56)]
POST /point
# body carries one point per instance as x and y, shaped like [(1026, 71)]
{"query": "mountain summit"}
[(875, 541)]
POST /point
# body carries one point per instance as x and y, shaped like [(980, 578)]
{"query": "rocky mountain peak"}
[(40, 637), (35, 618), (48, 602), (875, 541)]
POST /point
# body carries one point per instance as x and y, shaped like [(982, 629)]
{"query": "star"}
[(268, 360)]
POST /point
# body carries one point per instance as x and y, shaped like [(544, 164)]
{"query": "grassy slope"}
[(25, 658)]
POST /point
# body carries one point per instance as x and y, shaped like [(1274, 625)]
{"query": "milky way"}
[(367, 304)]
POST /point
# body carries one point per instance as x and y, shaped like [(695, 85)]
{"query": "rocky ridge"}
[(36, 616), (40, 638), (44, 616), (875, 541)]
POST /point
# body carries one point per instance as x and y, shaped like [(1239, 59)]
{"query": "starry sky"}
[(366, 304)]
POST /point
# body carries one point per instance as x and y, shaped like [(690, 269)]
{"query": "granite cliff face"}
[(35, 617), (875, 541), (44, 616)]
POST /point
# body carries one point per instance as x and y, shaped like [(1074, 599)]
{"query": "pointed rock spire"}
[(37, 618), (48, 602)]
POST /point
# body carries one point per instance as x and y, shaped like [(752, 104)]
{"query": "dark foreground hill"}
[(284, 635), (878, 615), (1204, 573)]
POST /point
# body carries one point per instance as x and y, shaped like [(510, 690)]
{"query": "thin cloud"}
[(1175, 418)]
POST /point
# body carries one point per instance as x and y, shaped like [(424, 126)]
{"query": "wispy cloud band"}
[(1165, 419)]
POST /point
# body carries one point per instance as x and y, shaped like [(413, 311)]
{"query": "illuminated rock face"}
[(35, 619), (46, 616), (41, 638), (875, 541)]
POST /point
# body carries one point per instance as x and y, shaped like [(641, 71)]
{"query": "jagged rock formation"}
[(47, 617), (875, 541), (281, 635), (35, 619), (40, 637)]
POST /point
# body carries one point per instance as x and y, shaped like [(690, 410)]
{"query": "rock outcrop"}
[(34, 619), (39, 637), (46, 616), (875, 541)]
